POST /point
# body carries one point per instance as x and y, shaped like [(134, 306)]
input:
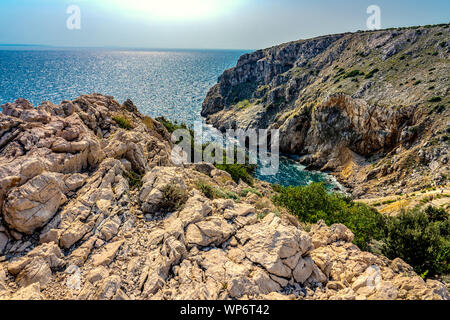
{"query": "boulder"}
[(154, 182), (33, 204), (31, 292)]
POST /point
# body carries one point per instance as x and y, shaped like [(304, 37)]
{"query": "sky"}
[(203, 24)]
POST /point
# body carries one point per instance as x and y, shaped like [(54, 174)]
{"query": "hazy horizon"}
[(198, 24)]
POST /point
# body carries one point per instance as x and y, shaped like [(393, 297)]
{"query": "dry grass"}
[(149, 122)]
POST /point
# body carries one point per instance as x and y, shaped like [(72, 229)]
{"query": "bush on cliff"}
[(134, 179), (123, 122), (148, 122), (173, 199), (172, 126), (313, 203), (238, 172), (214, 193), (421, 238)]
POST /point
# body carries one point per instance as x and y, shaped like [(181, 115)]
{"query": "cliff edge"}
[(92, 207), (370, 107)]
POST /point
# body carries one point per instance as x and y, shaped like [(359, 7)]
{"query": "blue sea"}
[(169, 83)]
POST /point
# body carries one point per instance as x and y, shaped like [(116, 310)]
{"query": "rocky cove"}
[(369, 107), (92, 207)]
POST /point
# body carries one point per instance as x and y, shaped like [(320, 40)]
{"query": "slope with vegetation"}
[(371, 107), (94, 207)]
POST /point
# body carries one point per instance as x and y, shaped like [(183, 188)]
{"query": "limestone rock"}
[(91, 231), (35, 271), (153, 184), (269, 242), (107, 255), (31, 292), (33, 204)]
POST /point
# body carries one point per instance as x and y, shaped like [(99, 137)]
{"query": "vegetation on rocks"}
[(149, 122), (238, 172), (371, 73), (341, 100), (173, 126), (246, 191), (102, 196), (215, 193), (421, 237), (173, 198), (313, 203), (95, 193), (123, 122)]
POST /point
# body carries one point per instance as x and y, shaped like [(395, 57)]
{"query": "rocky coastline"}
[(371, 107), (92, 207)]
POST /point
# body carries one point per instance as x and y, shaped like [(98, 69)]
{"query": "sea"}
[(169, 83)]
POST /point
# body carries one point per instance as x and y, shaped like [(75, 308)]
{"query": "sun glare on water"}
[(176, 9)]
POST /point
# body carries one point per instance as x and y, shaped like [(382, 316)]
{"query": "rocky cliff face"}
[(371, 107), (85, 215)]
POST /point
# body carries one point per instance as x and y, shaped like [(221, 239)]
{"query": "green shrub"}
[(123, 122), (313, 202), (213, 193), (353, 73), (242, 104), (371, 73), (435, 99), (172, 126), (420, 237), (134, 179), (244, 172), (246, 191), (238, 172), (173, 198), (225, 194), (148, 122), (207, 190)]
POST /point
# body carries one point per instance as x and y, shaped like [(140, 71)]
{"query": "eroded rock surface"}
[(370, 107), (80, 219)]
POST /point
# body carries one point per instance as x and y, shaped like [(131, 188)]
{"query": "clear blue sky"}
[(231, 24)]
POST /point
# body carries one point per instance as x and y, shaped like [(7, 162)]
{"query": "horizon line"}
[(215, 49), (114, 47)]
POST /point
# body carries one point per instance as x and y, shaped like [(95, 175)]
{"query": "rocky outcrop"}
[(81, 218), (370, 107)]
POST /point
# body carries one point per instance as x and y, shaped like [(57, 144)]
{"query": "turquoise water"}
[(291, 173), (169, 83)]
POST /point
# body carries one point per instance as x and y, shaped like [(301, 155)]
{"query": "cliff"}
[(92, 207), (370, 107)]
